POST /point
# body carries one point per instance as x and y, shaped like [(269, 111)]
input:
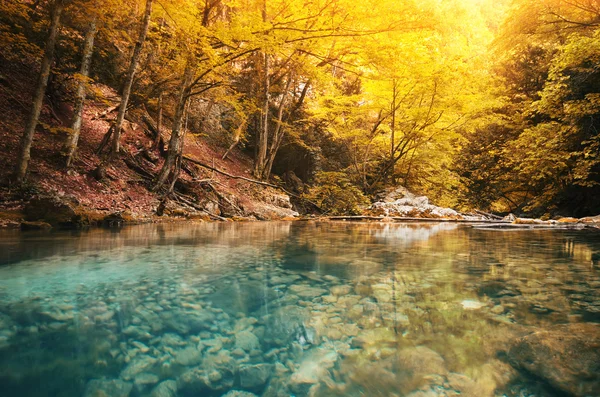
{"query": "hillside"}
[(125, 190)]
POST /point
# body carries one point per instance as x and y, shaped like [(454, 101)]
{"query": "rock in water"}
[(565, 356), (188, 356), (254, 377), (237, 393), (469, 304), (107, 388), (312, 369), (138, 365), (53, 210), (420, 361), (168, 388), (217, 375), (247, 341)]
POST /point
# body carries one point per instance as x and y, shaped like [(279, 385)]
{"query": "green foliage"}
[(334, 193), (544, 157)]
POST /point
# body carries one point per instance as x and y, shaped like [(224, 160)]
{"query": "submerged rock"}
[(420, 361), (144, 382), (306, 291), (565, 356), (198, 382), (255, 377), (137, 365), (247, 341), (188, 356), (469, 304), (105, 388), (313, 368), (168, 388)]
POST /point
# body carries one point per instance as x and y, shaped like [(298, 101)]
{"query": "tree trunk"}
[(159, 117), (38, 98), (135, 59), (73, 137), (263, 133), (176, 141), (277, 134), (392, 146)]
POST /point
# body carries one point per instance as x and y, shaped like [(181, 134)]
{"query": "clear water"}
[(285, 309)]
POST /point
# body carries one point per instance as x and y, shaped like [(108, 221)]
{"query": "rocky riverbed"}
[(232, 322)]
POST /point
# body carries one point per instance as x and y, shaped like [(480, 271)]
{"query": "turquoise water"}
[(285, 309)]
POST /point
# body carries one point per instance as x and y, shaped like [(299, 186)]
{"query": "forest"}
[(477, 104)]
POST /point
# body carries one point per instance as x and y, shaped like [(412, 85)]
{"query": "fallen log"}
[(201, 164), (132, 164), (197, 207), (488, 214)]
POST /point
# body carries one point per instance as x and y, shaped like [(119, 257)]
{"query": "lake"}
[(291, 309)]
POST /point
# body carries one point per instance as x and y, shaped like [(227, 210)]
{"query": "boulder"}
[(313, 368), (198, 382), (420, 361), (115, 220), (59, 212), (247, 341), (255, 377), (188, 356), (591, 219), (137, 366), (566, 356), (105, 388), (168, 388), (28, 225)]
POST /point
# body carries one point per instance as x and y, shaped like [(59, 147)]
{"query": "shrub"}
[(334, 193)]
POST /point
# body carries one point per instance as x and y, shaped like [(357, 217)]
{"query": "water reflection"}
[(281, 309)]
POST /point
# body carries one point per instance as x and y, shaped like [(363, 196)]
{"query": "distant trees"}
[(546, 156), (385, 93)]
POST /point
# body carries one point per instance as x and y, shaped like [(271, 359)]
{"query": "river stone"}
[(168, 388), (419, 362), (469, 304), (143, 382), (217, 375), (565, 356), (188, 356), (238, 393), (313, 367), (136, 366), (107, 388), (378, 337), (339, 290), (170, 339), (255, 377), (286, 324), (306, 291), (247, 341)]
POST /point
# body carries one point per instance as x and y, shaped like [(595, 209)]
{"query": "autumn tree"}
[(38, 97)]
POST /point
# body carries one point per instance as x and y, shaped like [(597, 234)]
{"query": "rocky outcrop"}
[(566, 356), (58, 212), (400, 202)]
